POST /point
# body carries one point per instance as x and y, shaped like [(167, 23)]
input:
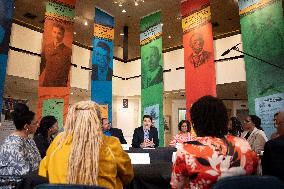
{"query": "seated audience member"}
[(275, 135), (19, 154), (81, 154), (109, 131), (184, 134), (211, 155), (235, 127), (254, 133), (48, 127), (146, 135), (273, 156)]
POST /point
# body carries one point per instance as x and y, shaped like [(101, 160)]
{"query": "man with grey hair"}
[(199, 56), (272, 161), (154, 74)]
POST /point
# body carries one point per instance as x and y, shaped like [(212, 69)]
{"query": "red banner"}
[(198, 51)]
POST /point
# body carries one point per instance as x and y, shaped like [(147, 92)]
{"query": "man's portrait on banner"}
[(101, 70), (154, 74), (56, 55), (198, 56)]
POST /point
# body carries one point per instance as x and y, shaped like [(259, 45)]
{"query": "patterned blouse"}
[(18, 156), (180, 138), (200, 163)]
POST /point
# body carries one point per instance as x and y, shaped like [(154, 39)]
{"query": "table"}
[(156, 175), (162, 154)]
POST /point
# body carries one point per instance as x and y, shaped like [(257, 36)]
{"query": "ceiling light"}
[(121, 34), (86, 23), (123, 11), (162, 24), (136, 3), (74, 33), (169, 37), (120, 5), (71, 93)]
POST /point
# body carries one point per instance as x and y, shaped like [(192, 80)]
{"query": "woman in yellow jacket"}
[(81, 154)]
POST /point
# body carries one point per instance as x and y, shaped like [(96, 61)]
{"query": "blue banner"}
[(102, 62), (6, 11)]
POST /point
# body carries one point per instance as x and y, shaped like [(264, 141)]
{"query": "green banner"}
[(152, 71), (262, 26)]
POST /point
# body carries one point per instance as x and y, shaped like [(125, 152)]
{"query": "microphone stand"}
[(235, 48)]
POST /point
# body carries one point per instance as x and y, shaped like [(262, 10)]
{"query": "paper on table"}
[(125, 146), (139, 158)]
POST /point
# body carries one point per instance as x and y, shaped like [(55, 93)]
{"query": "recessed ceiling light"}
[(86, 23), (74, 33), (136, 3), (120, 5), (169, 37), (123, 11), (121, 34)]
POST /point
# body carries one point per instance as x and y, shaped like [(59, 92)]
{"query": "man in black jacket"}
[(109, 131), (273, 156), (146, 135)]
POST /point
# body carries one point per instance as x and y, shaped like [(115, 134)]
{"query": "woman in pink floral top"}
[(184, 134), (212, 155)]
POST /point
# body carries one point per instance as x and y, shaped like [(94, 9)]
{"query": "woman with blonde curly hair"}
[(81, 154)]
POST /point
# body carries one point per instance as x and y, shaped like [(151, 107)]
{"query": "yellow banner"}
[(196, 18), (105, 32)]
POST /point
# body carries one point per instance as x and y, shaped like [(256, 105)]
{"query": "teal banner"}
[(262, 27), (152, 71), (102, 62), (6, 12)]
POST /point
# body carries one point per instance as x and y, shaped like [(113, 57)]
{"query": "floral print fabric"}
[(180, 138), (200, 163), (18, 156)]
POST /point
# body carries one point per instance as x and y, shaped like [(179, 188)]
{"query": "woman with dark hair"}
[(184, 134), (48, 127), (235, 127), (254, 133), (19, 154), (213, 154)]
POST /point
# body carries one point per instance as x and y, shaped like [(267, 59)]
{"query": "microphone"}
[(229, 50)]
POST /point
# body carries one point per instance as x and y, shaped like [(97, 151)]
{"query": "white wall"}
[(25, 65)]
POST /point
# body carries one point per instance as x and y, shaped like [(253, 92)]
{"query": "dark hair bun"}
[(20, 110)]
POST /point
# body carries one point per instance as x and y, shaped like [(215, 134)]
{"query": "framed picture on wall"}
[(167, 125), (181, 114)]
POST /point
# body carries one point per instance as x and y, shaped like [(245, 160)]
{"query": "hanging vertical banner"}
[(199, 64), (266, 42), (152, 86), (102, 62), (54, 79), (6, 12)]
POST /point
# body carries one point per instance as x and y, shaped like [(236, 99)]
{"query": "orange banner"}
[(198, 51)]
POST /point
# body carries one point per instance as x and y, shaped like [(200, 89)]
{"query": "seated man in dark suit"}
[(273, 156), (109, 131), (146, 135)]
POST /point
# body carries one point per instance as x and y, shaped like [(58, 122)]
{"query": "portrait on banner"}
[(56, 55)]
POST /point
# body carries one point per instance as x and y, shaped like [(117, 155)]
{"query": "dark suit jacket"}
[(95, 73), (138, 136), (273, 158), (118, 133), (56, 64)]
